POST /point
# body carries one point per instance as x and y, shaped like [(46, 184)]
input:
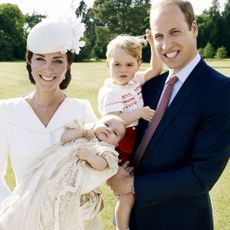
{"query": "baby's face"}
[(109, 129)]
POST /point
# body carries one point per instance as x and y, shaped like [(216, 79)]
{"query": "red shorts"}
[(126, 145)]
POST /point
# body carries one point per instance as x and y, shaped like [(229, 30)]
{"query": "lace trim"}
[(57, 199)]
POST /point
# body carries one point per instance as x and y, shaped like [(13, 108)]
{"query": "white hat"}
[(56, 34)]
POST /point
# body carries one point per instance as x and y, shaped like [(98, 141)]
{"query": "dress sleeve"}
[(4, 152)]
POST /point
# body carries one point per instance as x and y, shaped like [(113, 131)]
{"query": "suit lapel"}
[(180, 99), (149, 92), (151, 96)]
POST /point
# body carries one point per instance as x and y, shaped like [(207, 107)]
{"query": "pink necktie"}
[(155, 121)]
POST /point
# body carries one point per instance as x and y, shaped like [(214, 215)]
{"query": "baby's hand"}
[(147, 113), (83, 153), (71, 135), (88, 133)]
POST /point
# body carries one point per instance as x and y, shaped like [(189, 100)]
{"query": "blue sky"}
[(44, 6)]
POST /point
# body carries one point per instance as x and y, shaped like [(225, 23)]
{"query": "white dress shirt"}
[(182, 76)]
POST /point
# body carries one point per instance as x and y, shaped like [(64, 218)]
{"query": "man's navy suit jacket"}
[(186, 155)]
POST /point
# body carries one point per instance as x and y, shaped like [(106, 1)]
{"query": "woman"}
[(31, 124)]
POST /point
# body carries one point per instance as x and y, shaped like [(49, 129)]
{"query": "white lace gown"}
[(24, 138), (50, 197)]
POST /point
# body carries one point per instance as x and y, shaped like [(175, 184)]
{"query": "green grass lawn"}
[(87, 79)]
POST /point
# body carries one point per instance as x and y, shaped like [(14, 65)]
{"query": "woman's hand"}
[(71, 135), (84, 153)]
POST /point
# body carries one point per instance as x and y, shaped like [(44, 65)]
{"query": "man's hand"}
[(121, 182), (149, 37)]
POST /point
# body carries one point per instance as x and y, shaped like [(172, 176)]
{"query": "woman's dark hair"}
[(65, 82)]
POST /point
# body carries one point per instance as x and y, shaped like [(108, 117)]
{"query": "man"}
[(190, 147)]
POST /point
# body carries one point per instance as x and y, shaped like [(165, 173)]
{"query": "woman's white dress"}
[(24, 138)]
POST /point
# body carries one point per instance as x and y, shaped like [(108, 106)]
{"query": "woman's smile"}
[(47, 78)]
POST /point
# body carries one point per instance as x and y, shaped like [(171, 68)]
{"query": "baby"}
[(61, 190)]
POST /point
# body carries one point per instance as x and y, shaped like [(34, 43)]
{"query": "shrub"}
[(209, 51), (221, 52), (201, 52)]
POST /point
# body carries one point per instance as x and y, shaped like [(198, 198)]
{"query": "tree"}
[(6, 49), (120, 17), (213, 26), (225, 31), (103, 37), (89, 35), (210, 25), (204, 23), (126, 16), (12, 45), (32, 20)]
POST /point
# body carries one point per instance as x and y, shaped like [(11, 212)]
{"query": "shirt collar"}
[(184, 72)]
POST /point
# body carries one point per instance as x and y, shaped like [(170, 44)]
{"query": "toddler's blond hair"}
[(131, 44)]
